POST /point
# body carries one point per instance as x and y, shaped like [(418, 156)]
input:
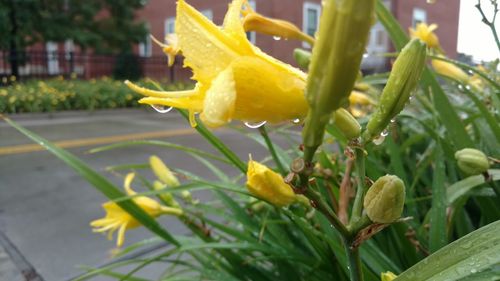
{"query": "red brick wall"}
[(445, 13)]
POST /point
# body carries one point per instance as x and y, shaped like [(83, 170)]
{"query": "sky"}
[(475, 37)]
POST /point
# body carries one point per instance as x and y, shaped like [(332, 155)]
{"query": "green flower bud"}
[(346, 123), (335, 63), (167, 197), (472, 161), (387, 276), (401, 83), (302, 57), (385, 199)]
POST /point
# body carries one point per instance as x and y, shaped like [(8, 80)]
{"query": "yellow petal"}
[(206, 48), (218, 107), (269, 93), (233, 25), (160, 94), (195, 104), (128, 181), (121, 235)]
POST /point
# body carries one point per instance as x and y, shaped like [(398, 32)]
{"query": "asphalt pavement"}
[(45, 207)]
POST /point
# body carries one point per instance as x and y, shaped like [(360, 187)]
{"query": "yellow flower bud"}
[(253, 21), (268, 185), (346, 123), (384, 200), (163, 173), (450, 70), (401, 83), (387, 276), (343, 34), (472, 161)]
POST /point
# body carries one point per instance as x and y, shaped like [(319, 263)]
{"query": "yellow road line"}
[(25, 148)]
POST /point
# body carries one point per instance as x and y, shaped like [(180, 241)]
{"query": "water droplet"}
[(384, 133), (467, 87), (460, 87), (431, 1), (470, 71), (296, 121), (393, 120), (277, 38), (255, 125), (365, 55), (379, 140), (161, 108), (473, 271)]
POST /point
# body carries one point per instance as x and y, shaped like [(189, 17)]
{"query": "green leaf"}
[(99, 182), (437, 233), (462, 188), (126, 144), (476, 253)]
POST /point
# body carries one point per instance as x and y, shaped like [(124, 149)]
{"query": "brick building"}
[(160, 18)]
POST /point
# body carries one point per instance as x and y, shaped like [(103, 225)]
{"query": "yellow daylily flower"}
[(253, 21), (426, 33), (118, 219), (268, 185), (235, 80), (387, 276), (171, 49)]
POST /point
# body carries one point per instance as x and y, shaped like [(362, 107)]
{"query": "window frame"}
[(305, 18), (419, 15)]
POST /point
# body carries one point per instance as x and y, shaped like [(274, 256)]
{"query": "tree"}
[(107, 26)]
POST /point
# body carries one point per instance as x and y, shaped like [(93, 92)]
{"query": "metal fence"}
[(42, 65)]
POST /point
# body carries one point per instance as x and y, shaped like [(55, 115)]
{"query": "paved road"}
[(45, 208)]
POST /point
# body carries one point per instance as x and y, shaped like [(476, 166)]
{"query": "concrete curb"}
[(13, 265)]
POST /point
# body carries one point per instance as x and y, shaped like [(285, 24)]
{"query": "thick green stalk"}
[(355, 267), (357, 208), (270, 146)]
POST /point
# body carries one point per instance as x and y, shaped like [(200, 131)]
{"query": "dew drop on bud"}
[(161, 108), (384, 133), (379, 140), (296, 121), (276, 38), (255, 125), (460, 87), (393, 120)]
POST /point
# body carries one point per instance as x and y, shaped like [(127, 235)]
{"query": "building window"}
[(419, 16), (311, 14), (145, 47), (208, 14), (252, 36), (52, 58), (169, 26)]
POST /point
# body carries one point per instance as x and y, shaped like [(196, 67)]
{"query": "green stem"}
[(270, 146), (321, 205), (357, 208), (355, 267), (217, 143)]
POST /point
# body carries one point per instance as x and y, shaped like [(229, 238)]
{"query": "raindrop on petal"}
[(277, 38), (161, 108), (255, 125), (296, 121)]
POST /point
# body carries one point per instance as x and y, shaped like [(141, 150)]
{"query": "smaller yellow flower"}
[(254, 21), (360, 103), (387, 276), (162, 172), (118, 219), (268, 185), (171, 48), (426, 33), (450, 70)]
